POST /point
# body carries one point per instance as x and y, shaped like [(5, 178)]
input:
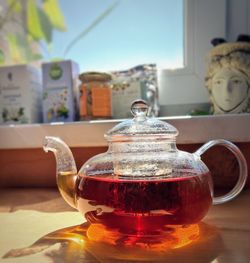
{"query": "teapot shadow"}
[(199, 243)]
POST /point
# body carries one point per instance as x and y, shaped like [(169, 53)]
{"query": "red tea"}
[(144, 206)]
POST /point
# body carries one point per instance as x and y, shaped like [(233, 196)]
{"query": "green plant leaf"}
[(23, 46), (56, 59), (15, 5), (15, 51), (2, 58), (90, 27), (33, 21), (53, 11), (46, 25), (36, 56)]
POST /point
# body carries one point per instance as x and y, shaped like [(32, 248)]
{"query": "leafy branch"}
[(41, 21), (12, 5), (39, 25)]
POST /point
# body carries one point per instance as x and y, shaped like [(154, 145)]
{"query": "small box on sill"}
[(20, 94), (60, 91)]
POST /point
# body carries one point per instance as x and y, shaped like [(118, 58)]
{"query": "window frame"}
[(203, 21)]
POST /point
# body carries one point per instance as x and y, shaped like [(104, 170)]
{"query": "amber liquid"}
[(144, 207)]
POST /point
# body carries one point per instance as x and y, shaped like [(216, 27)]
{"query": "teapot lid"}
[(141, 126)]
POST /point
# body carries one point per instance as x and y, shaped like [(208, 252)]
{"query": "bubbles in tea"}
[(144, 206)]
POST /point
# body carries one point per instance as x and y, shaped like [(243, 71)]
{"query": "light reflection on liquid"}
[(95, 243), (105, 245), (173, 237)]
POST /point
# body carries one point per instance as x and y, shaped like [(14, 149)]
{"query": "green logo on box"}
[(55, 71)]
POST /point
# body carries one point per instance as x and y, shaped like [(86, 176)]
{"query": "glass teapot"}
[(143, 183)]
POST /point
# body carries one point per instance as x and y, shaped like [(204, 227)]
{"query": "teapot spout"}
[(65, 167)]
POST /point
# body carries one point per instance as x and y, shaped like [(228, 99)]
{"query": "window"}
[(203, 20), (99, 35), (173, 34), (131, 32)]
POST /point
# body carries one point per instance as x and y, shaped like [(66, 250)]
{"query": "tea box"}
[(20, 94), (139, 82), (60, 91), (126, 92)]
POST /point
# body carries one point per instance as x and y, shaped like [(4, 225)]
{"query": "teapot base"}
[(171, 237)]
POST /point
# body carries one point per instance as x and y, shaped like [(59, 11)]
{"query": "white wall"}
[(238, 18)]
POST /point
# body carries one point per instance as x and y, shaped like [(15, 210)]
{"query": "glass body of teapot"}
[(143, 183)]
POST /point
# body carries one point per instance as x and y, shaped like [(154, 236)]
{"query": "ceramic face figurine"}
[(228, 78)]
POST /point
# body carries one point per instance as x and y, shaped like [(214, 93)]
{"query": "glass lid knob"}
[(141, 127), (139, 108)]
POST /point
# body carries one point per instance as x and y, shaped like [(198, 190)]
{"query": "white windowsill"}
[(196, 129)]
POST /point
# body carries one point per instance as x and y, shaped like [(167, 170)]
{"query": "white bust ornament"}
[(228, 77)]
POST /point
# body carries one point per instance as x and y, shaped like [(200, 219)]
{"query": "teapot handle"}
[(242, 168)]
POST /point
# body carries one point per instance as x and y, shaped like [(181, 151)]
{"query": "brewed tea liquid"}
[(144, 206)]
